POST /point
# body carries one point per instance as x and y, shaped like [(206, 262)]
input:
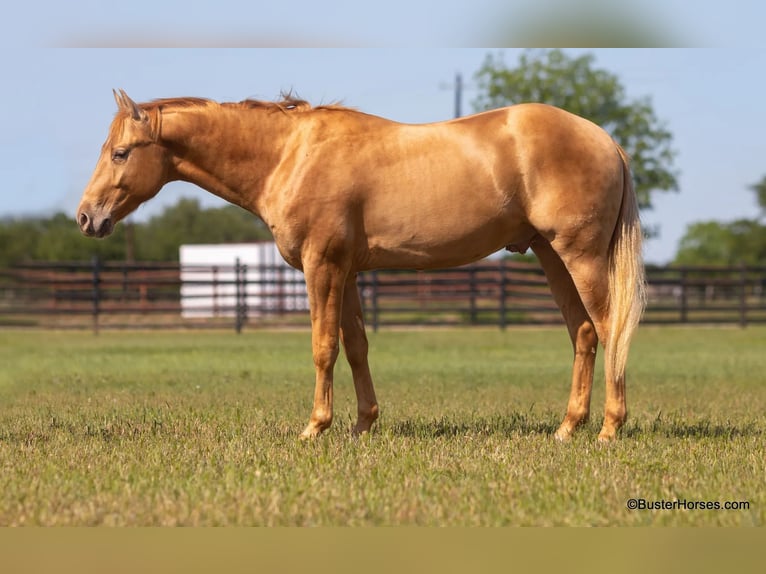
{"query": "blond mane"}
[(287, 103)]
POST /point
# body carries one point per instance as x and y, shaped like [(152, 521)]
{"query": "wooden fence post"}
[(503, 280), (374, 297), (281, 295), (684, 302), (216, 289), (96, 264), (472, 296), (742, 296), (239, 297)]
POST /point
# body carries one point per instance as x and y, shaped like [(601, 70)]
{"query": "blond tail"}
[(627, 282)]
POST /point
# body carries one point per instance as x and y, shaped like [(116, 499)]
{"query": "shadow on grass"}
[(514, 423), (700, 428), (520, 423)]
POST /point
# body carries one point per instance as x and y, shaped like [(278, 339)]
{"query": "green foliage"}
[(733, 243), (574, 84), (54, 239), (190, 428), (187, 222), (716, 243), (528, 257), (760, 195), (58, 238)]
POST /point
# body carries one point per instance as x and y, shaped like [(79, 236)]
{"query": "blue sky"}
[(354, 23), (56, 118)]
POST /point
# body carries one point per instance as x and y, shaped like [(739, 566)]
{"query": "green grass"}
[(180, 428)]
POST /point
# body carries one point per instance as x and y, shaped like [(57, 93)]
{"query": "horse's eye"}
[(120, 155)]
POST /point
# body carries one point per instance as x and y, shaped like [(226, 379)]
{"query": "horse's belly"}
[(427, 243), (459, 213)]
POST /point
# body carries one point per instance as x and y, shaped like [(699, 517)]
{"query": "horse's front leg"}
[(324, 282)]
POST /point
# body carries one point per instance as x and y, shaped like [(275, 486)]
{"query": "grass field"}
[(186, 428)]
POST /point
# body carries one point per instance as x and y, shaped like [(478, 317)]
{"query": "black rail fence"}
[(107, 295)]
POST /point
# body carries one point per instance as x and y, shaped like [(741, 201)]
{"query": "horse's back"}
[(447, 193)]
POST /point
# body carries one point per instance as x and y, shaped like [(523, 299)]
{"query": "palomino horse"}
[(344, 191)]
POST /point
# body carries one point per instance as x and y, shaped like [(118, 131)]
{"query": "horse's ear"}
[(117, 99), (124, 103)]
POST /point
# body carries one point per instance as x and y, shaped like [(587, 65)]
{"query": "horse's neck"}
[(228, 152)]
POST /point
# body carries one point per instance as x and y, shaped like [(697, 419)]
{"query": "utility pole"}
[(458, 94), (458, 87)]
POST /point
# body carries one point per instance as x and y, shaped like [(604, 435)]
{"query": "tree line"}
[(58, 238), (738, 242)]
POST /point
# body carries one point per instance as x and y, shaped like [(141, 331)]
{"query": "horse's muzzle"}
[(94, 225)]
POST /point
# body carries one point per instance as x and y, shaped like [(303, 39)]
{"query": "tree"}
[(734, 243), (574, 84), (186, 222), (57, 238), (706, 243), (728, 244), (760, 195)]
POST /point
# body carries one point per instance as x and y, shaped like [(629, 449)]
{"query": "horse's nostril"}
[(106, 226), (83, 219)]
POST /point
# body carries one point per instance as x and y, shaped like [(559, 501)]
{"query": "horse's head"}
[(131, 169)]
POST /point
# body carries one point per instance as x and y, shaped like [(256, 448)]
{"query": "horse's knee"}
[(587, 333), (586, 340), (325, 355)]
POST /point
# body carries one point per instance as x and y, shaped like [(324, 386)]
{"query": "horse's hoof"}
[(564, 434), (310, 432), (607, 437)]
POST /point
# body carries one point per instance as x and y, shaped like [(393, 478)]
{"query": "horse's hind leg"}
[(355, 344), (581, 331), (590, 277)]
